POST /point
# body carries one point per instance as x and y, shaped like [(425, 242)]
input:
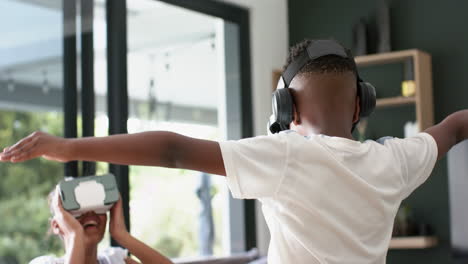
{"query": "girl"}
[(82, 235)]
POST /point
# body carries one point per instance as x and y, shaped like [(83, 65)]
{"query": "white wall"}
[(269, 38)]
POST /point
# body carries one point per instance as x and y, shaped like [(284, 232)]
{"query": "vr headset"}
[(90, 193)]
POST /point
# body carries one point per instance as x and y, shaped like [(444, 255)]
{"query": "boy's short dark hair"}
[(325, 64)]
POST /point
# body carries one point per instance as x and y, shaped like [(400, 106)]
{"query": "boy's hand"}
[(38, 144), (452, 130), (117, 226), (153, 148)]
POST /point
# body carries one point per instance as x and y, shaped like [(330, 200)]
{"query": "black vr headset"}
[(282, 101)]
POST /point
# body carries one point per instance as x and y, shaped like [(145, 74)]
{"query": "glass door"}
[(174, 84), (184, 76)]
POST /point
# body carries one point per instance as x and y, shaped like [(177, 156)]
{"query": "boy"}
[(326, 197)]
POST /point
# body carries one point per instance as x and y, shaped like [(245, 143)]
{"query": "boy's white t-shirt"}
[(328, 199)]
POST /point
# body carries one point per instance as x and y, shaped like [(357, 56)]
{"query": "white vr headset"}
[(91, 193)]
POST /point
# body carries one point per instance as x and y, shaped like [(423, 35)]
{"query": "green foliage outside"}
[(23, 191), (164, 210)]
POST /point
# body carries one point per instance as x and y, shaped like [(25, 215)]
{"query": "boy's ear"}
[(357, 110), (297, 116)]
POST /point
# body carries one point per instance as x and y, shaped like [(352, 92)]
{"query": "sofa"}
[(250, 257)]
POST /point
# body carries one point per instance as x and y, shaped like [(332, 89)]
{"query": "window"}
[(31, 77), (184, 75)]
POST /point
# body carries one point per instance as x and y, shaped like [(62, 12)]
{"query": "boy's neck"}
[(331, 132)]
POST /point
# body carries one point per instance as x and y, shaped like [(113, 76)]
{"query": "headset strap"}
[(315, 50)]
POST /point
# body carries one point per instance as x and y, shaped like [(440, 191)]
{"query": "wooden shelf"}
[(388, 57), (416, 242), (395, 101)]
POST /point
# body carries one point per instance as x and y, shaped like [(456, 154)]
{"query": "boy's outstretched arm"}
[(452, 130), (156, 148)]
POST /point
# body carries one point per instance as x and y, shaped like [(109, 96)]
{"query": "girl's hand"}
[(71, 230), (137, 248), (38, 144), (117, 226), (64, 223)]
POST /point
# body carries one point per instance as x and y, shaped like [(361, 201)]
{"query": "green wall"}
[(437, 27)]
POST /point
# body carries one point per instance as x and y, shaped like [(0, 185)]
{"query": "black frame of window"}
[(87, 77), (70, 78), (116, 81), (70, 89), (117, 94)]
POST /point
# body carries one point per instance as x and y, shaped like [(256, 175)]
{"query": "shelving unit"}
[(422, 80), (422, 101), (416, 242)]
